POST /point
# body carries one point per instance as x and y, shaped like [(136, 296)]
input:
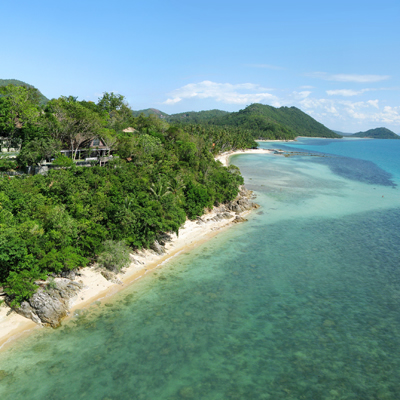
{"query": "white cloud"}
[(373, 103), (349, 112), (355, 78), (301, 95), (244, 93), (345, 92)]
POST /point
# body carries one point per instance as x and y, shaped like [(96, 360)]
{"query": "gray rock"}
[(111, 277), (227, 215), (68, 274), (160, 250), (50, 306), (239, 219)]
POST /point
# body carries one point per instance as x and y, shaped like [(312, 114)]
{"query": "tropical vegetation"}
[(159, 175)]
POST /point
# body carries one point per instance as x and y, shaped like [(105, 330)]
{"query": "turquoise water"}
[(300, 302)]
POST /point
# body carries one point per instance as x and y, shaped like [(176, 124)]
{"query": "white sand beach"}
[(224, 157)]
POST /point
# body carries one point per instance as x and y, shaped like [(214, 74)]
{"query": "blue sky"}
[(338, 61)]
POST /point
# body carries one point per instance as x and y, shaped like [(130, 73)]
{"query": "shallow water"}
[(301, 302)]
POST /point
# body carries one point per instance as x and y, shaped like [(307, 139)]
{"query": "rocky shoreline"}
[(55, 297)]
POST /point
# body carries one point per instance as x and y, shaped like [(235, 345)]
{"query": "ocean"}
[(300, 302)]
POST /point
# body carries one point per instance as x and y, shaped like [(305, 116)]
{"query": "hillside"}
[(265, 122), (276, 123), (149, 111), (4, 82), (197, 117), (377, 133)]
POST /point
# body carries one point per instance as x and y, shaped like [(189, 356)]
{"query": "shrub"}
[(115, 255)]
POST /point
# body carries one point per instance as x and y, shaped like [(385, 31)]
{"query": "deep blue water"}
[(300, 302)]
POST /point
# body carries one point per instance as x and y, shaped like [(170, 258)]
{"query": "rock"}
[(160, 250), (227, 215), (68, 274), (200, 221), (135, 261), (164, 238), (239, 219), (49, 306), (110, 276)]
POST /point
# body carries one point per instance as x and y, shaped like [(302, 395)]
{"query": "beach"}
[(96, 287), (224, 157)]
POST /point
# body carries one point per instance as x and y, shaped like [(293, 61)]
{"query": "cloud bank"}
[(354, 78), (244, 93)]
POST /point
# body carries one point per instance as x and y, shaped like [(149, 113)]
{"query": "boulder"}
[(50, 305), (160, 250), (68, 274), (111, 277), (239, 219)]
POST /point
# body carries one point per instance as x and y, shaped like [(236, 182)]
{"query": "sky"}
[(338, 61)]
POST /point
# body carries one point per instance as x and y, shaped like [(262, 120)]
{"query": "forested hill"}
[(377, 133), (197, 117), (276, 123), (149, 111), (264, 122), (4, 82)]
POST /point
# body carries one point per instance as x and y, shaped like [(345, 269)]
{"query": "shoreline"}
[(95, 287), (224, 157)]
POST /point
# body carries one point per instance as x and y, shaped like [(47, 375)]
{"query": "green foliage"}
[(116, 111), (6, 164), (72, 122), (36, 94), (37, 151), (63, 260), (74, 215), (197, 199), (19, 108), (115, 255), (21, 286), (63, 161)]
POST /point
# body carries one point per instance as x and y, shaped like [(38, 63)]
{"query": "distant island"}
[(377, 133)]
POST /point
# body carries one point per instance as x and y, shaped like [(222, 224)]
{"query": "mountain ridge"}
[(4, 82), (265, 122)]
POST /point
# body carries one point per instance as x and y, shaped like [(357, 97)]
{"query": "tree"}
[(35, 152), (72, 123), (19, 106), (119, 114), (109, 138)]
